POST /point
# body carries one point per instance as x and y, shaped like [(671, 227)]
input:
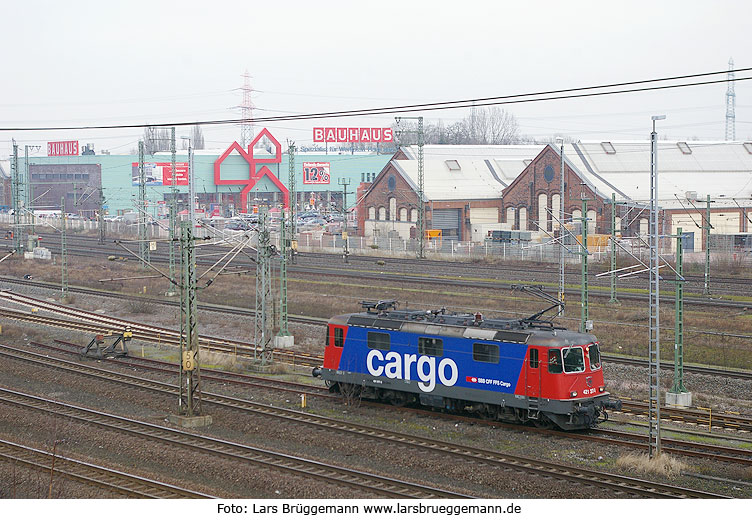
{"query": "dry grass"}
[(663, 464)]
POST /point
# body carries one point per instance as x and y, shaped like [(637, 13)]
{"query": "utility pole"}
[(284, 338), (189, 404), (17, 193), (614, 231), (561, 228), (345, 241), (293, 200), (654, 349), (731, 104), (101, 223), (421, 226), (679, 396), (708, 226), (29, 201), (585, 324), (63, 254), (262, 331), (143, 248), (173, 207)]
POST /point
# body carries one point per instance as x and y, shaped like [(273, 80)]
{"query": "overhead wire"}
[(540, 96)]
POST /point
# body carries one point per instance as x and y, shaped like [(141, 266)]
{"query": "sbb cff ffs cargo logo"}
[(353, 135), (62, 148)]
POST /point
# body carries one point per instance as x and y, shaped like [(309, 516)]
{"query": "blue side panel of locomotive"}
[(499, 377)]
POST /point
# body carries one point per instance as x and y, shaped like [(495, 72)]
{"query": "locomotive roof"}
[(441, 323)]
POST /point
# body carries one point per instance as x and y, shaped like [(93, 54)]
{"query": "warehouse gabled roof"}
[(466, 171), (473, 180), (686, 169)]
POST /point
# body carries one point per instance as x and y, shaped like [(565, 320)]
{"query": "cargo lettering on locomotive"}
[(394, 365)]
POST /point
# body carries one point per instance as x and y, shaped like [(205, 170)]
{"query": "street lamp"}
[(191, 184)]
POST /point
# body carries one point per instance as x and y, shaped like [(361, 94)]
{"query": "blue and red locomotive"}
[(517, 370)]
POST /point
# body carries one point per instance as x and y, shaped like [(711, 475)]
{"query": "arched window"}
[(592, 221), (382, 213), (392, 209), (371, 213), (510, 216), (555, 207), (403, 214), (523, 218), (644, 232), (542, 212), (414, 215)]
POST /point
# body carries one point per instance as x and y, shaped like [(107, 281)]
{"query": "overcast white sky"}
[(80, 62)]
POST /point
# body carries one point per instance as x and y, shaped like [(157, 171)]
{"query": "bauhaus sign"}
[(352, 135), (62, 148)]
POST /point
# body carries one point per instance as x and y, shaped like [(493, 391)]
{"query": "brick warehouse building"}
[(462, 190), (472, 189)]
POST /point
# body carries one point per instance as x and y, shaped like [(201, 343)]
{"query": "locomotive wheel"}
[(543, 422), (398, 398)]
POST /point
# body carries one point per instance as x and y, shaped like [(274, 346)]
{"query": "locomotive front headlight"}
[(573, 393), (601, 389)]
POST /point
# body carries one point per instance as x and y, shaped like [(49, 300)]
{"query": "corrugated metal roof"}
[(473, 181), (715, 169)]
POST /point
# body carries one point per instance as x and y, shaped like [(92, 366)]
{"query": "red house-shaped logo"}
[(254, 173)]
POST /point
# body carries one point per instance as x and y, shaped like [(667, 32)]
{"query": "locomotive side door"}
[(532, 373)]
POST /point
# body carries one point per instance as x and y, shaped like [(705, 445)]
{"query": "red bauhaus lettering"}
[(318, 135), (365, 134), (331, 135)]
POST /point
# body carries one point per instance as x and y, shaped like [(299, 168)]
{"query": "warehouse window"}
[(486, 352), (748, 147), (430, 346), (379, 340), (452, 164), (608, 148)]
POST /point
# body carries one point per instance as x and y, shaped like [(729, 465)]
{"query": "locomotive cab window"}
[(574, 360), (533, 358), (431, 346), (594, 352), (339, 337), (554, 361), (327, 336), (379, 340), (486, 352)]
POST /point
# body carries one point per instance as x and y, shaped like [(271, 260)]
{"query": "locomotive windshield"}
[(594, 353), (574, 360)]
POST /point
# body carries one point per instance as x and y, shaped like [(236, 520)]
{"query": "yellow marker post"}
[(303, 401)]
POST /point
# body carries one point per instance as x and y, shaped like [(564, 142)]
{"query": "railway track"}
[(243, 348), (695, 416), (617, 483), (474, 276), (368, 482), (123, 484), (95, 323), (680, 447), (83, 246)]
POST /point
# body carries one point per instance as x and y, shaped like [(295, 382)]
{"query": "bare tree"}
[(197, 137), (482, 126), (156, 140)]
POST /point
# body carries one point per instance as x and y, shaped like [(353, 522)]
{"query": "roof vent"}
[(684, 147), (748, 146), (691, 196), (608, 148), (452, 164)]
